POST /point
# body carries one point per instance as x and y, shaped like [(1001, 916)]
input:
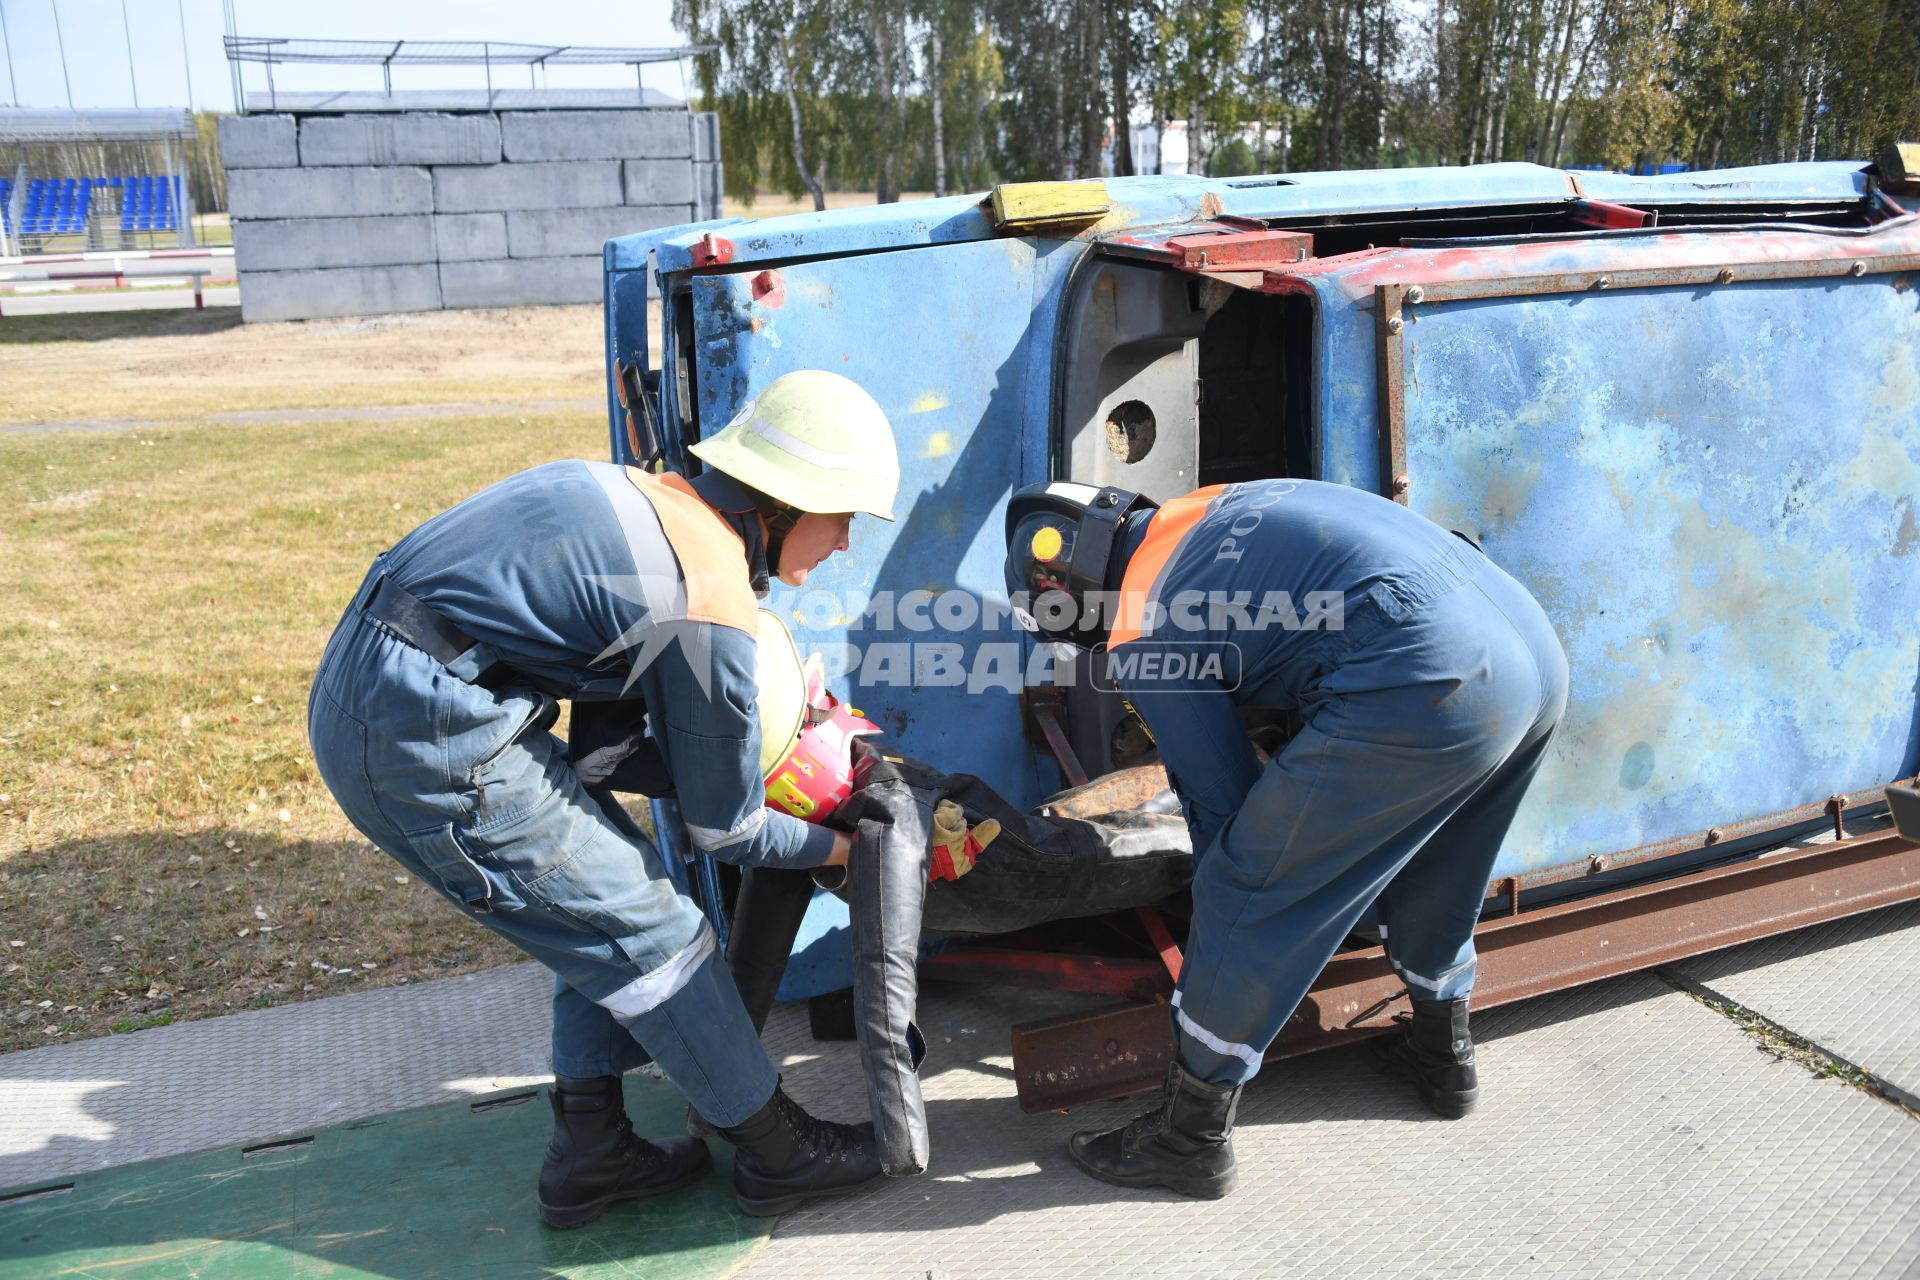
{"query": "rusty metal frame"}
[(1389, 308), (1562, 946), (1121, 1050), (1396, 304), (1727, 833)]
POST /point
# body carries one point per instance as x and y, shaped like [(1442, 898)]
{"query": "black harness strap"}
[(1093, 544), (416, 623)]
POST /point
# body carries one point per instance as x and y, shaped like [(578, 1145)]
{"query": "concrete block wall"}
[(413, 211)]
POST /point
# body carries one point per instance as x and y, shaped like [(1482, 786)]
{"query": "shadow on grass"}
[(116, 930), (104, 326)]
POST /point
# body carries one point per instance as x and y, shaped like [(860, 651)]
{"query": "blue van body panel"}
[(945, 338), (1708, 482), (1821, 180), (1734, 578)]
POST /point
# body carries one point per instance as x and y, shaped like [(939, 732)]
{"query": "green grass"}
[(125, 1025), (166, 847), (1787, 1046)]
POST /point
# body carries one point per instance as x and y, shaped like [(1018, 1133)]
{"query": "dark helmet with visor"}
[(1060, 538)]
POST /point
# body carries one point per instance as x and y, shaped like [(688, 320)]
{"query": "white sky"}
[(96, 42)]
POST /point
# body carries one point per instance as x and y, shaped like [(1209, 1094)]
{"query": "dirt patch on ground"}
[(195, 364)]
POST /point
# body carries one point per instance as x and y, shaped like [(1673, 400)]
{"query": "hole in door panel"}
[(1171, 381)]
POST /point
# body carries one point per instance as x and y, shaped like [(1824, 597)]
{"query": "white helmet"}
[(813, 440)]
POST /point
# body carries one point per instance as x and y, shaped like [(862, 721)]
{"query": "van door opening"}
[(1171, 381)]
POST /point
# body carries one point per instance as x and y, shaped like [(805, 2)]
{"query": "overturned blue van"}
[(1684, 410)]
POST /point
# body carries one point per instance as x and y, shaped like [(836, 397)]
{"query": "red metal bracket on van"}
[(1607, 216)]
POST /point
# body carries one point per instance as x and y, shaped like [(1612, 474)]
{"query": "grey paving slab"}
[(658, 181), (415, 138), (597, 135), (339, 291), (295, 244), (470, 237), (487, 188), (362, 192), (195, 1085), (1627, 1130), (374, 100), (706, 136), (1849, 987), (557, 233), (513, 282), (258, 142)]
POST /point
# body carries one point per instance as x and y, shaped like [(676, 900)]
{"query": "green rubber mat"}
[(443, 1191)]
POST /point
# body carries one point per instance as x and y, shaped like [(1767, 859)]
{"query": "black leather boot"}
[(596, 1160), (1435, 1053), (786, 1157), (1186, 1145)]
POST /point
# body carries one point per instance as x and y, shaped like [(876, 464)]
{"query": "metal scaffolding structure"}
[(271, 51)]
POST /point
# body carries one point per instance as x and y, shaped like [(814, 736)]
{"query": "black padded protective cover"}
[(1039, 868), (887, 882)]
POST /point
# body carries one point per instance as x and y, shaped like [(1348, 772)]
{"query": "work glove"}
[(632, 764), (955, 845), (608, 746)]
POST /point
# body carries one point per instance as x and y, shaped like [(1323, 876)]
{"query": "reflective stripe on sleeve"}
[(711, 839), (651, 990)]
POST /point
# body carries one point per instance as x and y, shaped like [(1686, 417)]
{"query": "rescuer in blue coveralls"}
[(633, 595), (1429, 683)]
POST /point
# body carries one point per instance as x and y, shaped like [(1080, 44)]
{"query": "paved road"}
[(1627, 1129), (76, 301), (283, 417)]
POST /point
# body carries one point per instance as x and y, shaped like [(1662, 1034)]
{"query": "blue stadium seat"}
[(129, 202), (51, 206), (34, 212)]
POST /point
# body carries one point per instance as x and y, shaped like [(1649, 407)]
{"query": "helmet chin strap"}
[(780, 519), (1100, 525)]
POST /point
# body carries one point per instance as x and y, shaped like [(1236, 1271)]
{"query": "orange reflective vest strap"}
[(1141, 585), (713, 560)]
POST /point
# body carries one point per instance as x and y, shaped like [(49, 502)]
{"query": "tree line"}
[(954, 95)]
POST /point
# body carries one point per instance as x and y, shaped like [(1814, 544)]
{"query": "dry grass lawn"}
[(171, 365), (166, 847)]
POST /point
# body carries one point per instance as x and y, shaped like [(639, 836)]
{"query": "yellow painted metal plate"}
[(1028, 204)]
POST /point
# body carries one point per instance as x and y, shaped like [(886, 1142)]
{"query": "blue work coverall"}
[(626, 593), (1429, 683)]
